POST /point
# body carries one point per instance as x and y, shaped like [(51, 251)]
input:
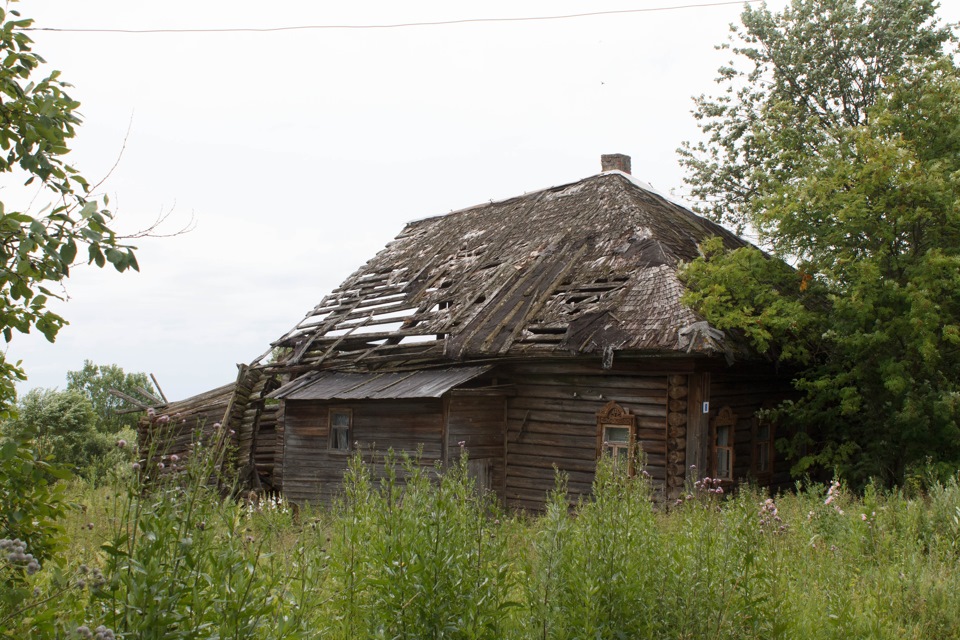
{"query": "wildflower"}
[(217, 425), (32, 567), (104, 634), (863, 517), (160, 465), (163, 419), (84, 632), (151, 412), (90, 526), (462, 443), (121, 443), (174, 458), (135, 466)]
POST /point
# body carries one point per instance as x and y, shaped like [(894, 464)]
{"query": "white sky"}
[(302, 153)]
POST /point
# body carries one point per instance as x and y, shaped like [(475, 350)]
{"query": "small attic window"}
[(443, 304)]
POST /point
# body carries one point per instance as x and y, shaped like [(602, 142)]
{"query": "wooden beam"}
[(159, 390)]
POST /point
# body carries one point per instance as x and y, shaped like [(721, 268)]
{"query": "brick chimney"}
[(615, 162)]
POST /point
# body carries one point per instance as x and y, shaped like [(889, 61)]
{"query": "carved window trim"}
[(610, 419), (762, 449), (723, 428)]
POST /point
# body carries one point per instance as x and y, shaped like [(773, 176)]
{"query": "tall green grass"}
[(414, 553)]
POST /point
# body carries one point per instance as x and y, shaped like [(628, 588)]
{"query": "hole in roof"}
[(544, 331), (418, 339)]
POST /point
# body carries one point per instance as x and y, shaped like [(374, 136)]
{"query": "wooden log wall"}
[(175, 426), (266, 453), (746, 394), (552, 420), (313, 473), (479, 422), (676, 471)]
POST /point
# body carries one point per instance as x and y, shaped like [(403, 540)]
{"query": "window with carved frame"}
[(616, 437), (340, 423), (764, 435), (722, 428)]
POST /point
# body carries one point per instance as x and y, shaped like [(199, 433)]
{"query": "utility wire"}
[(399, 25)]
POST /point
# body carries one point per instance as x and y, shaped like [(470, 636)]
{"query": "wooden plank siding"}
[(479, 423), (313, 473), (552, 422)]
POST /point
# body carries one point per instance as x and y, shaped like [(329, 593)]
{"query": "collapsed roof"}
[(584, 268)]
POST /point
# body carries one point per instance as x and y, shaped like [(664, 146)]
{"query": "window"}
[(616, 437), (723, 426), (340, 422), (763, 439)]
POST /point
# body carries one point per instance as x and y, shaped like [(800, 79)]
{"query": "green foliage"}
[(31, 499), (37, 120), (96, 381), (182, 562), (415, 557), (858, 190), (811, 71), (62, 425), (409, 553), (600, 576)]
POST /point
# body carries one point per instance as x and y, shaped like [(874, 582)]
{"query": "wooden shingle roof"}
[(588, 267)]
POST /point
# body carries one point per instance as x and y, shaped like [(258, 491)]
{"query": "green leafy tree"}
[(797, 80), (37, 249), (864, 205), (62, 425), (96, 381)]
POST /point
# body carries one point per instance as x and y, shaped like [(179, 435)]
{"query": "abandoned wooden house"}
[(536, 333)]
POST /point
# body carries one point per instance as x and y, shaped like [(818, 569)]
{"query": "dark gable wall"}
[(746, 393), (312, 473)]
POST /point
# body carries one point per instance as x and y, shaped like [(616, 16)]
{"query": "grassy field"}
[(428, 559)]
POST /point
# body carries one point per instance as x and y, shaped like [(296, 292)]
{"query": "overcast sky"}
[(299, 154)]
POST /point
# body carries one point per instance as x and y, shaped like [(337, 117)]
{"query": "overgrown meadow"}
[(159, 552)]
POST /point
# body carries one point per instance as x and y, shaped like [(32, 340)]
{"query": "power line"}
[(399, 25)]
